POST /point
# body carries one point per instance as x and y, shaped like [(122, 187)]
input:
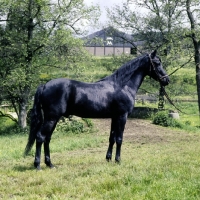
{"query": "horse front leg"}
[(119, 129), (111, 143), (118, 148)]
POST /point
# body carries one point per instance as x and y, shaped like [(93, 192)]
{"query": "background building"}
[(110, 41)]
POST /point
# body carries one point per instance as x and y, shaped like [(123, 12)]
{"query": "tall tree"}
[(157, 23), (171, 26), (193, 13), (34, 34)]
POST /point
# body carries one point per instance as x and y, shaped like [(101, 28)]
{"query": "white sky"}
[(103, 5), (107, 4)]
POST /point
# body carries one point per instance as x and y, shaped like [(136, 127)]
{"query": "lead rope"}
[(163, 93), (161, 98)]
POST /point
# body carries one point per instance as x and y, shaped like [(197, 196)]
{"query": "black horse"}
[(111, 97)]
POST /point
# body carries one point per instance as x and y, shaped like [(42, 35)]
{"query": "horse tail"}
[(36, 120)]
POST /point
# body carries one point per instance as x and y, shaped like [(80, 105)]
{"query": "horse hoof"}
[(38, 168), (50, 165), (108, 158), (117, 160)]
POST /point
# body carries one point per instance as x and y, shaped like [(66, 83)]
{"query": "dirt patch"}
[(143, 131)]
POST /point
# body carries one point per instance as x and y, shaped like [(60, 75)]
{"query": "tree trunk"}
[(196, 44), (23, 105), (24, 101), (22, 114), (197, 62)]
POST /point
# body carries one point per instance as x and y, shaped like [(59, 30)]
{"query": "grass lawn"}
[(157, 163)]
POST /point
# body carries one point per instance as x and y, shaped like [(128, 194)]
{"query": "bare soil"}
[(143, 132)]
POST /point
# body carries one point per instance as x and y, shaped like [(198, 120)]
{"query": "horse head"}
[(156, 69)]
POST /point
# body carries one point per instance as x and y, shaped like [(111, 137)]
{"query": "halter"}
[(155, 69)]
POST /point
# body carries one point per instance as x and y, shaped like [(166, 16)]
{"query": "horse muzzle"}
[(164, 80)]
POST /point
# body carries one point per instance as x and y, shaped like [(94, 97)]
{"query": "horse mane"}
[(123, 74)]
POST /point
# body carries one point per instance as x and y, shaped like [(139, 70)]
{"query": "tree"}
[(171, 26), (36, 34), (193, 13)]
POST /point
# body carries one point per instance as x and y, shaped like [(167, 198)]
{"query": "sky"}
[(103, 4), (107, 4)]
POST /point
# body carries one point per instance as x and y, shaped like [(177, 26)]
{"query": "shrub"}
[(8, 127), (162, 119), (88, 122), (75, 126)]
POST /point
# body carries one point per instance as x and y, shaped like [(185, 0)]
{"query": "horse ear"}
[(153, 54)]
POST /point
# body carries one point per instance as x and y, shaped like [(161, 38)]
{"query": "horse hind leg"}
[(47, 159), (44, 136), (50, 126), (37, 154)]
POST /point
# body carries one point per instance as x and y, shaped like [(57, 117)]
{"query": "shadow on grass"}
[(23, 168), (30, 167)]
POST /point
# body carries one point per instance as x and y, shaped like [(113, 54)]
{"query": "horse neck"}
[(122, 75), (130, 74), (137, 78)]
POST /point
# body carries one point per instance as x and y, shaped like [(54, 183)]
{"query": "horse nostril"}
[(166, 81)]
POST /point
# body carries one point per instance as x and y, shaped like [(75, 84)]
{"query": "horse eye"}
[(156, 62)]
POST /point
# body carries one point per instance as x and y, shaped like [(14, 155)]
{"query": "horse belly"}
[(91, 110)]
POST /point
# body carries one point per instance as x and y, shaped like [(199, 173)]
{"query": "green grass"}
[(190, 115), (167, 169), (89, 71)]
